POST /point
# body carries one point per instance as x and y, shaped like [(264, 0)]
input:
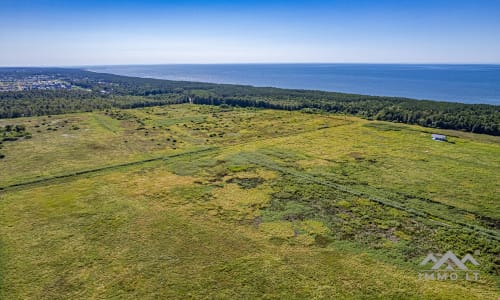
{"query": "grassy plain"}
[(279, 205)]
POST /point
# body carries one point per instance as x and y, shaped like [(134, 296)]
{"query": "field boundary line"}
[(164, 157), (104, 168)]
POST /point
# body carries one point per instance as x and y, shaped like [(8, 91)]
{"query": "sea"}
[(451, 83)]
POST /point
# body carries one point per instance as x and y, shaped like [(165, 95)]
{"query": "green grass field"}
[(188, 201)]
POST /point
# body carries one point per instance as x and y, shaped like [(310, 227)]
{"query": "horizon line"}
[(248, 63)]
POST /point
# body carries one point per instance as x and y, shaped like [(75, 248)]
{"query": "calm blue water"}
[(457, 83)]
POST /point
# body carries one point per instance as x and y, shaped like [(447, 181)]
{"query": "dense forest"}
[(96, 91)]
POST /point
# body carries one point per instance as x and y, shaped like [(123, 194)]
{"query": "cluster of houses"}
[(8, 84)]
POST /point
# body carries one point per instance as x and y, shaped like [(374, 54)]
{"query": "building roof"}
[(438, 136)]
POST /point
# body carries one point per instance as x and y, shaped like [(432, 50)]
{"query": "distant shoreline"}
[(462, 83)]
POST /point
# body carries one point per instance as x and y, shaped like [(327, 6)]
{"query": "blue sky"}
[(57, 33)]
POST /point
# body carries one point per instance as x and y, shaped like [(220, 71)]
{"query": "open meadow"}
[(197, 201)]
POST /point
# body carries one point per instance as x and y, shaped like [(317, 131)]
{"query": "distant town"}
[(36, 82)]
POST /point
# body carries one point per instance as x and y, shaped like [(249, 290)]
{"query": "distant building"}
[(439, 137)]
